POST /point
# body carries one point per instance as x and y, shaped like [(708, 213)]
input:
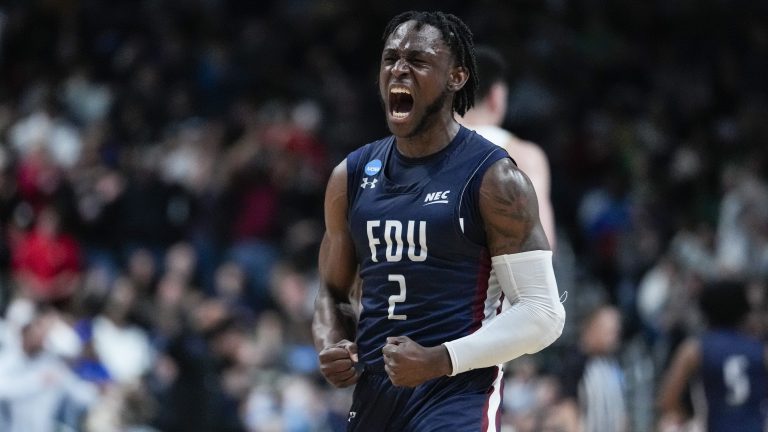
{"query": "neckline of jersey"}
[(421, 160), (397, 188)]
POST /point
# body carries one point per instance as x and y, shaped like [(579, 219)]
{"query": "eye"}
[(389, 56), (417, 61)]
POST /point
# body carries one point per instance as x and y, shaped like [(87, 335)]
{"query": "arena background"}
[(172, 155)]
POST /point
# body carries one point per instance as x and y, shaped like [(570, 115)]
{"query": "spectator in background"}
[(47, 130), (486, 118), (181, 261), (46, 261), (229, 286), (141, 270), (206, 393), (521, 388), (153, 214), (741, 241), (168, 312), (41, 183), (123, 347), (38, 391), (99, 189), (249, 217), (293, 296), (605, 214), (9, 199)]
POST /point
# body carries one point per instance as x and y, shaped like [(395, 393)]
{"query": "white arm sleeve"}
[(533, 321)]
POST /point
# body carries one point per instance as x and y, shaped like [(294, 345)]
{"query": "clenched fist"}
[(409, 364), (337, 363)]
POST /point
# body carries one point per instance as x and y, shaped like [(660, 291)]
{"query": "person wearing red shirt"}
[(46, 262)]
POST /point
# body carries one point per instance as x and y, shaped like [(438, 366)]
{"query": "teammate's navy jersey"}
[(423, 258), (734, 377)]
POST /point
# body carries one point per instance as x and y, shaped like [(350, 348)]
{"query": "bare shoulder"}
[(509, 209), (336, 256), (525, 151), (336, 199), (338, 178)]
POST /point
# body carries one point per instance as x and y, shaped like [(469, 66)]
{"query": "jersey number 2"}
[(736, 379), (397, 298)]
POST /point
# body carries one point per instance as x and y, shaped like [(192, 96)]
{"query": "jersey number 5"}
[(736, 379), (397, 298)]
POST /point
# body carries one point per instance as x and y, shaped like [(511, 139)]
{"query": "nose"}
[(400, 67)]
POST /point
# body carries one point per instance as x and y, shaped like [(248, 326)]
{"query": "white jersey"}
[(494, 134)]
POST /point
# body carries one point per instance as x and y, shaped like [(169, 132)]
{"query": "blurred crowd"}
[(163, 163)]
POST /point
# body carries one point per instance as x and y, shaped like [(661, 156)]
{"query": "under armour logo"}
[(367, 183), (352, 414)]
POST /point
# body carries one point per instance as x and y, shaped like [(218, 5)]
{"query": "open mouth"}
[(400, 102)]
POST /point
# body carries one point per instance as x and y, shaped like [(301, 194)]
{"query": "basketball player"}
[(486, 117), (441, 225), (730, 364)]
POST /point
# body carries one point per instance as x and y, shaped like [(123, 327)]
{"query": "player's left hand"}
[(409, 364)]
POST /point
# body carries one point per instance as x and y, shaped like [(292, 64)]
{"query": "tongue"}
[(401, 103)]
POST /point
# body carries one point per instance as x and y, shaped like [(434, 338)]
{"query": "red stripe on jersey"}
[(481, 291)]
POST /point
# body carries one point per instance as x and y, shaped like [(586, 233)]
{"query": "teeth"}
[(399, 115), (400, 90)]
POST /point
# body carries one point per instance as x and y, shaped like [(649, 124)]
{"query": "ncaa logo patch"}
[(373, 167)]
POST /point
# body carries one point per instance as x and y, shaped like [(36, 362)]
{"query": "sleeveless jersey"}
[(733, 373), (424, 262)]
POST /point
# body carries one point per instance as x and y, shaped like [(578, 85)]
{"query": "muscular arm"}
[(510, 210), (684, 364), (533, 161), (334, 319), (522, 266)]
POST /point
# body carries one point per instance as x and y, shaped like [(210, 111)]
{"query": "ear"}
[(457, 78)]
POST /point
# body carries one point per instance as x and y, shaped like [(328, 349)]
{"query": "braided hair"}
[(458, 37)]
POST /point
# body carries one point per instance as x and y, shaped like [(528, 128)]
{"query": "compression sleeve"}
[(534, 320)]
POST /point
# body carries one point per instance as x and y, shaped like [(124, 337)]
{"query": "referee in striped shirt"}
[(592, 381)]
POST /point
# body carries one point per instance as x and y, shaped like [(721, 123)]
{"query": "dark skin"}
[(419, 60), (685, 364)]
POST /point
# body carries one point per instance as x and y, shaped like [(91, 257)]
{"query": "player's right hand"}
[(337, 363)]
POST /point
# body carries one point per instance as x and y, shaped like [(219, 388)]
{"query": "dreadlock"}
[(458, 37)]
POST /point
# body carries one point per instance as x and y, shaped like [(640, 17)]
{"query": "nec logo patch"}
[(437, 198)]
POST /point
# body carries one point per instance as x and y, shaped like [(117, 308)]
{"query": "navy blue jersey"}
[(421, 247), (733, 372)]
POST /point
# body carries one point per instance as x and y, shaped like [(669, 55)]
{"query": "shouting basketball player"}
[(441, 226)]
